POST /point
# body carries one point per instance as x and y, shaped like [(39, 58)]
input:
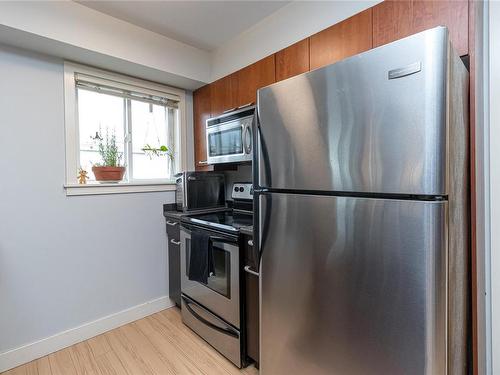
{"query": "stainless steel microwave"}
[(199, 191), (229, 137)]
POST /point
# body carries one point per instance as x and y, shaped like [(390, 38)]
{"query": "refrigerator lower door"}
[(352, 286)]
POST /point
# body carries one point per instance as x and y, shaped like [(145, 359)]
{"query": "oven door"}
[(221, 293), (230, 142)]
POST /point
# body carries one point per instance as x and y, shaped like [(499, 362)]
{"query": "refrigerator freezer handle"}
[(255, 156), (259, 151)]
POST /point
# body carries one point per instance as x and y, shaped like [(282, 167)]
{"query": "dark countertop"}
[(170, 212), (248, 231)]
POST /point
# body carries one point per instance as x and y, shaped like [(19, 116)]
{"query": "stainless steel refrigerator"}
[(360, 179)]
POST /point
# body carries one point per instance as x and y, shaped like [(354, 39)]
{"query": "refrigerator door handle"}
[(259, 150), (255, 156), (264, 227)]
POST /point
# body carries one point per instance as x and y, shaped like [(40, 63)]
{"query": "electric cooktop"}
[(230, 220), (226, 220)]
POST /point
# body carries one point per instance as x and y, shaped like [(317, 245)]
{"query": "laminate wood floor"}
[(159, 344)]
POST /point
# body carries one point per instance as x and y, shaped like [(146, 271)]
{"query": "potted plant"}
[(110, 169)]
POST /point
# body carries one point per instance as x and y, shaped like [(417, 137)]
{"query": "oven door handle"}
[(188, 228), (222, 239), (226, 331)]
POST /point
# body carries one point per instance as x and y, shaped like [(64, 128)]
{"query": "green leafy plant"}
[(108, 150), (157, 151)]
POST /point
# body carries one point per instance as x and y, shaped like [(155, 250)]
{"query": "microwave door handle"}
[(243, 133), (247, 139)]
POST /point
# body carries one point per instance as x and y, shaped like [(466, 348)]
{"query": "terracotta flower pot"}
[(108, 174)]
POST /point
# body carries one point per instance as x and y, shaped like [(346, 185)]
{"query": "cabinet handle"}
[(172, 223), (175, 242), (250, 242), (247, 269), (203, 162)]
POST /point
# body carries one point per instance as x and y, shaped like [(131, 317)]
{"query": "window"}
[(144, 119)]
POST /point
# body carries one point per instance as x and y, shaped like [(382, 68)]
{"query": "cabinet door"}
[(292, 60), (251, 300), (224, 94), (174, 260), (253, 77), (344, 39), (394, 20), (201, 112)]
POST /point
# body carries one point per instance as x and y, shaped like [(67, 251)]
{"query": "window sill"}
[(120, 188)]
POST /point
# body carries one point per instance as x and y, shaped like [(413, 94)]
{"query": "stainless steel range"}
[(211, 304)]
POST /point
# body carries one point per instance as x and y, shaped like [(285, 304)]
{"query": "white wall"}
[(494, 188), (64, 260), (288, 25), (72, 31)]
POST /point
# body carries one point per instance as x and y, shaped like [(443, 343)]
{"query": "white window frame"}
[(72, 132)]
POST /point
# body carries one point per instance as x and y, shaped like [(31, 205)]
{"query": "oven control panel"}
[(242, 191)]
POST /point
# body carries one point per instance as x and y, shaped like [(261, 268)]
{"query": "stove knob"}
[(242, 189), (236, 189)]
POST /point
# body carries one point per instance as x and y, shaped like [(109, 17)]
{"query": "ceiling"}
[(202, 24)]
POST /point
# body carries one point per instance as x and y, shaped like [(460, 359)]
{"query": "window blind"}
[(125, 90)]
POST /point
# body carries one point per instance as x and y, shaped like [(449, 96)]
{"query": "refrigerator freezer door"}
[(375, 122), (352, 286)]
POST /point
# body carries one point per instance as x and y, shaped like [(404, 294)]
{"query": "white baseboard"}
[(43, 347)]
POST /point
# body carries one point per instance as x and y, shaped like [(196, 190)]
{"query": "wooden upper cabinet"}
[(292, 60), (253, 77), (344, 39), (201, 112), (396, 19), (224, 94)]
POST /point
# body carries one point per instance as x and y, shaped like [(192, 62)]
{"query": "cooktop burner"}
[(225, 220)]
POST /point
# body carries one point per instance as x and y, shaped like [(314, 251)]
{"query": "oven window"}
[(220, 281), (225, 142)]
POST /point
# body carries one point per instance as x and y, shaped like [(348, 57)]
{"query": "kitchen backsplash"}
[(242, 174)]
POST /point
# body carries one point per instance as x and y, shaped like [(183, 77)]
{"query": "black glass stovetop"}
[(225, 220)]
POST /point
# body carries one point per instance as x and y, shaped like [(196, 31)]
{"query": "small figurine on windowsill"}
[(82, 176)]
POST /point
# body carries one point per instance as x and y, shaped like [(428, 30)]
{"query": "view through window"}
[(144, 130)]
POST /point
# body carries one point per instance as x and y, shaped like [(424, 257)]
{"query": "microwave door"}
[(225, 143), (230, 142)]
